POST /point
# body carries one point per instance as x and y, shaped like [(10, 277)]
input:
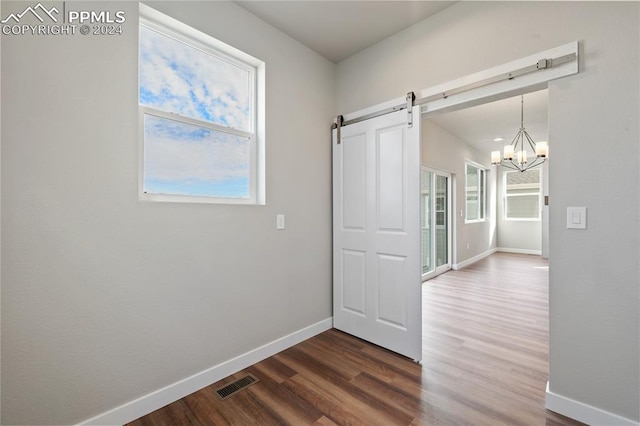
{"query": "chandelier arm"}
[(510, 165), (533, 164), (538, 161), (519, 166), (515, 140), (532, 144)]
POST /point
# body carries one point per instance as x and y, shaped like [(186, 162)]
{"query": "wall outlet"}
[(280, 221)]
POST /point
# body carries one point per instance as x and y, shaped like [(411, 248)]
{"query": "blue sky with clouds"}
[(181, 158), (188, 160)]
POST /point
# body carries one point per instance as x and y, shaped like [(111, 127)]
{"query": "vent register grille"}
[(232, 388)]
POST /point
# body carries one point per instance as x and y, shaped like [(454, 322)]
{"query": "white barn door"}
[(376, 233)]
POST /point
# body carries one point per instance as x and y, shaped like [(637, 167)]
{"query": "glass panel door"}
[(427, 225), (442, 243), (435, 217)]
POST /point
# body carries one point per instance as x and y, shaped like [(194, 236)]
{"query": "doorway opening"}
[(469, 135)]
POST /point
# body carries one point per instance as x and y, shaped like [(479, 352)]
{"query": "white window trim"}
[(484, 193), (153, 19), (505, 196)]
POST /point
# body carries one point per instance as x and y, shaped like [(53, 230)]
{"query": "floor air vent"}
[(230, 389)]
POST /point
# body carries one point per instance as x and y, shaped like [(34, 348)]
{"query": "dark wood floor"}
[(484, 363)]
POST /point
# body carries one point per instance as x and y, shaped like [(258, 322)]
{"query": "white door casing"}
[(376, 233)]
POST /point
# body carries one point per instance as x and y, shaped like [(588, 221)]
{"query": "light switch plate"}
[(280, 221), (576, 218)]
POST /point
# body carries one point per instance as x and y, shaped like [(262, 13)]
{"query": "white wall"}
[(445, 152), (105, 298), (594, 274)]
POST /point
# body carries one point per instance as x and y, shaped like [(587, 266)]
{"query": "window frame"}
[(481, 206), (506, 196), (179, 31)]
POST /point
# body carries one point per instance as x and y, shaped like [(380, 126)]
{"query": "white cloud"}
[(181, 152), (173, 74)]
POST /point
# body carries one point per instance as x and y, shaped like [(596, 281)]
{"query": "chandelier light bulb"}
[(508, 152), (522, 157), (542, 149), (495, 157)]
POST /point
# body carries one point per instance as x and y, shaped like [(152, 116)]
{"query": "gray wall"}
[(594, 274), (593, 129), (105, 298), (445, 152)]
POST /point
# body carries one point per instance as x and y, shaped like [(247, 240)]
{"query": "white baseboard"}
[(519, 251), (161, 397), (473, 260), (583, 412)]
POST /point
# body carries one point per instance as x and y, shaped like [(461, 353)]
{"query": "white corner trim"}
[(583, 412), (473, 260), (161, 397), (519, 251)]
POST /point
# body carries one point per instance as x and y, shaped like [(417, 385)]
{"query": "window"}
[(522, 195), (475, 192), (201, 115)]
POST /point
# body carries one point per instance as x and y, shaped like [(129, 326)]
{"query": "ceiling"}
[(337, 29), (480, 125)]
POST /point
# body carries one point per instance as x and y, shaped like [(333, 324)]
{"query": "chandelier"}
[(515, 155)]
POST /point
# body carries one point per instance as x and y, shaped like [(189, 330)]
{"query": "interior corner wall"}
[(445, 152), (593, 129), (106, 298), (517, 236)]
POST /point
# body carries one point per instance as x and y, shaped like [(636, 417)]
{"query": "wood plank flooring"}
[(484, 362)]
